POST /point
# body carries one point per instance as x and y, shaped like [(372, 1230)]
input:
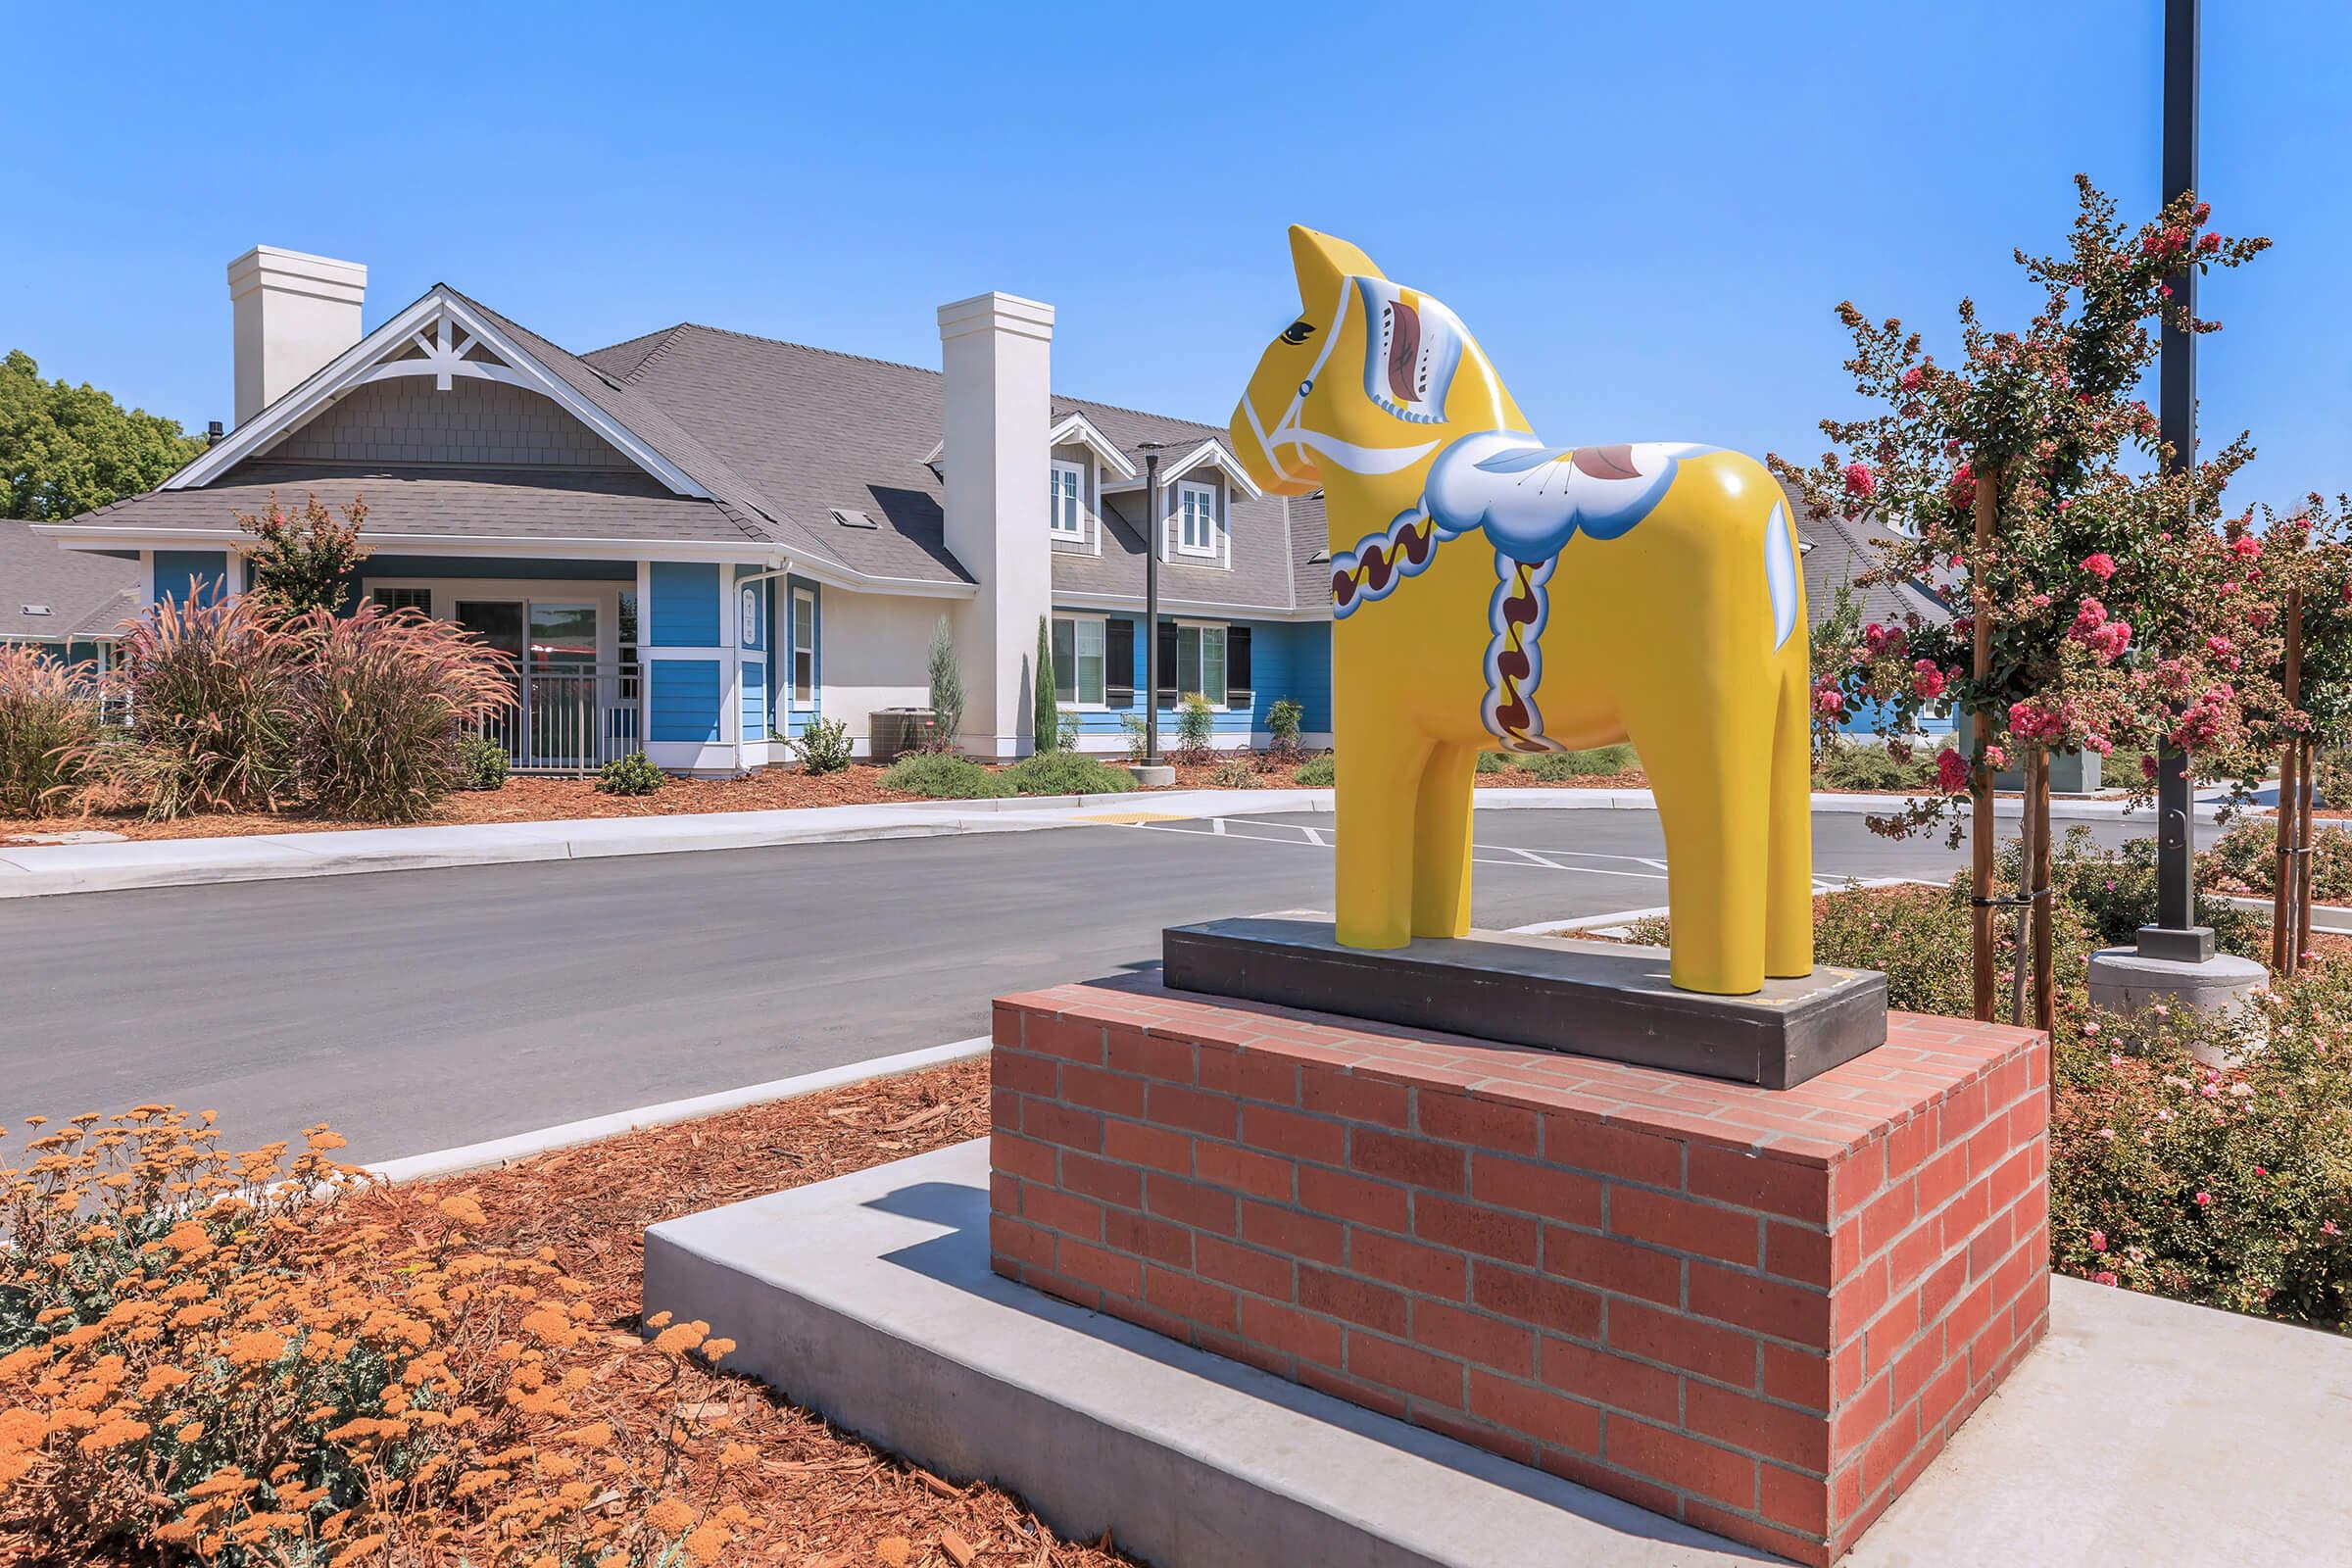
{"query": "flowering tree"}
[(304, 560), (2105, 602), (2308, 558)]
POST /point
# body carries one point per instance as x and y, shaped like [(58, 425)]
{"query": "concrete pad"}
[(2142, 1432)]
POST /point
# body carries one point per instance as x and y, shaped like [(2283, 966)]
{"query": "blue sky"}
[(1646, 211)]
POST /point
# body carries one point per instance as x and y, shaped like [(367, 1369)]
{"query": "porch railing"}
[(569, 718)]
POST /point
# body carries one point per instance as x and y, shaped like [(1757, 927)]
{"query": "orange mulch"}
[(823, 1499), (539, 799)]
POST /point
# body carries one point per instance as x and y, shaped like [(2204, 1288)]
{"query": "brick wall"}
[(1760, 1312)]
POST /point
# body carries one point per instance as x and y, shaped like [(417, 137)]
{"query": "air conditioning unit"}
[(892, 732)]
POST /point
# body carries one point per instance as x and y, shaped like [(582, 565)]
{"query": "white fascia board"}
[(353, 366), (1079, 428), (1211, 452)]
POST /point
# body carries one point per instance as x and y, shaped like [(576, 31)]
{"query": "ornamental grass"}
[(48, 719), (384, 703)]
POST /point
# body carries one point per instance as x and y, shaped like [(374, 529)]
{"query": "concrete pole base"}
[(1155, 775), (2122, 980)]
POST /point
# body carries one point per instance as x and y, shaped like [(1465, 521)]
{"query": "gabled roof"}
[(1834, 551), (84, 595)]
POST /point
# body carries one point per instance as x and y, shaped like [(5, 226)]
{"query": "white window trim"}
[(1208, 550), (1075, 707), (1225, 705), (794, 702), (1054, 529)]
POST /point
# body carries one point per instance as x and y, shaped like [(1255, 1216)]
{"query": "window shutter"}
[(1118, 664), (1238, 692), (1168, 663)]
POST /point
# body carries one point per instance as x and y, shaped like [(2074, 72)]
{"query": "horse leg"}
[(1704, 736), (1788, 876), (1380, 766), (1442, 842)]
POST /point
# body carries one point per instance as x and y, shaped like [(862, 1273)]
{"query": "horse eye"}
[(1298, 332)]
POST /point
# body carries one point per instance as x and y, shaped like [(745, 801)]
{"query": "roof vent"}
[(34, 609), (851, 519)]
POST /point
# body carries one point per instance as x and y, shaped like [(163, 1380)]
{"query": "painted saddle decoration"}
[(1658, 580)]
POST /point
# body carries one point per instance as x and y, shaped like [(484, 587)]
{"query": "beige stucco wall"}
[(874, 654)]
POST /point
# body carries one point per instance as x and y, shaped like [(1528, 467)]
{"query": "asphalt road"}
[(415, 1011)]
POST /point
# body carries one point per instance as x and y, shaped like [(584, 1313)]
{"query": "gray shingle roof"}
[(85, 594), (1841, 548), (813, 429), (453, 503)]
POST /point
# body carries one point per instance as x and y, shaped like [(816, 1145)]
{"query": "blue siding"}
[(685, 609), (755, 701), (1287, 659), (463, 566), (684, 694), (185, 574)]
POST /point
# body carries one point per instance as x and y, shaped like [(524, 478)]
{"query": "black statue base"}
[(1596, 998)]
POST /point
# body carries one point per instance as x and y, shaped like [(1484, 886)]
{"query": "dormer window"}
[(1065, 510), (1196, 519)]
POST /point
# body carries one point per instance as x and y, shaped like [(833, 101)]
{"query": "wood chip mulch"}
[(828, 1499), (540, 799)]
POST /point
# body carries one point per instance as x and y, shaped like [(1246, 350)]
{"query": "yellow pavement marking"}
[(1136, 818)]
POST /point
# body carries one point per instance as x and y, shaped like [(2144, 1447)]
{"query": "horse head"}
[(1370, 378)]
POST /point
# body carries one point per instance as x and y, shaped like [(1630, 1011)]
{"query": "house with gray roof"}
[(67, 601), (698, 542)]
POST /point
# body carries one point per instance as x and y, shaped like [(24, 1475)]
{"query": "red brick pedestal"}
[(1762, 1312)]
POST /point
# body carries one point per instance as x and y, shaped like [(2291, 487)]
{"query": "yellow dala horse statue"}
[(1491, 593)]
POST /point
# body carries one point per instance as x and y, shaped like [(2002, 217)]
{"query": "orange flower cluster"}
[(206, 1351)]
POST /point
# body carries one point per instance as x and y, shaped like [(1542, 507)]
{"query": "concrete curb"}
[(571, 1134), (48, 870)]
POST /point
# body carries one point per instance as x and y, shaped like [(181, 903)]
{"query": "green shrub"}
[(633, 774), (1320, 774), (1044, 715), (1282, 724), (483, 761), (1134, 732), (1491, 763), (946, 683), (2231, 1188), (1195, 727), (2114, 893), (944, 776), (1859, 765), (1601, 761), (825, 747), (210, 696), (48, 725), (1067, 773), (1235, 773), (2246, 860), (1065, 729), (381, 702), (2331, 779)]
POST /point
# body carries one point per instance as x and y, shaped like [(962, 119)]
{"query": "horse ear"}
[(1322, 262)]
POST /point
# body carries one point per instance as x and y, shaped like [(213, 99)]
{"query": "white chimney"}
[(996, 352), (294, 312)]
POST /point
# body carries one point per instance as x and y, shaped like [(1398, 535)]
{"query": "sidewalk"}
[(49, 869)]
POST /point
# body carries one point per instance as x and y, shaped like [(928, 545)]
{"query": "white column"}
[(996, 404)]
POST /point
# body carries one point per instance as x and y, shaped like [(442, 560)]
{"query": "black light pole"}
[(2175, 935), (1152, 524)]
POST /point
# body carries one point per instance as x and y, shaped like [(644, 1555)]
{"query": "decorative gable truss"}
[(438, 336)]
